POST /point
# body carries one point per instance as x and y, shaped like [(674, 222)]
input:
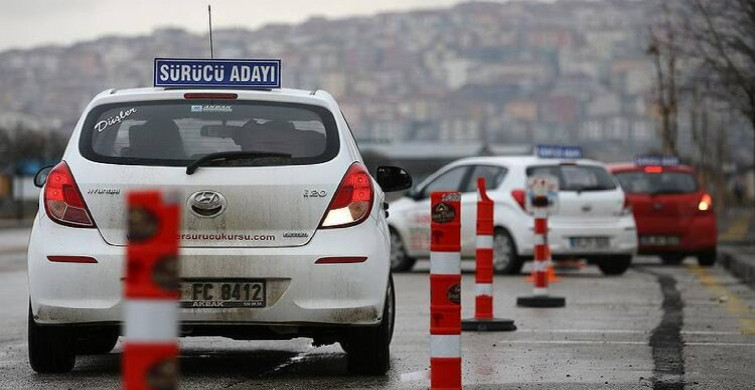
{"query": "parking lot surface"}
[(655, 327)]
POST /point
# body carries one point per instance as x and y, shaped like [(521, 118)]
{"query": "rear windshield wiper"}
[(667, 192), (236, 155), (590, 188)]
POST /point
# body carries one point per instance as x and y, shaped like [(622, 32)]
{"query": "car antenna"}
[(209, 19)]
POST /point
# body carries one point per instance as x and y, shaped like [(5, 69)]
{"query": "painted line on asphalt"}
[(575, 342), (611, 331), (704, 344), (629, 331), (737, 230), (733, 305), (709, 333), (611, 342)]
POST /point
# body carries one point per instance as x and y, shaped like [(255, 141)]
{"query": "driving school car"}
[(674, 214), (592, 219), (283, 233)]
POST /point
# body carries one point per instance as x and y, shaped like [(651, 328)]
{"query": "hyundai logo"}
[(206, 204)]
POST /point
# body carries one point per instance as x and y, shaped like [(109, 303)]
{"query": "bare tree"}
[(5, 149), (722, 40), (664, 50), (709, 125)]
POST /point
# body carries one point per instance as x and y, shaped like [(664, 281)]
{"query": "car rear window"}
[(577, 177), (177, 132), (657, 183)]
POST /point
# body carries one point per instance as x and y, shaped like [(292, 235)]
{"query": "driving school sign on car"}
[(187, 73), (656, 160), (558, 151)]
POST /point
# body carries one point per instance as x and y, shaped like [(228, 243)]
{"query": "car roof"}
[(631, 167), (523, 161), (318, 97)]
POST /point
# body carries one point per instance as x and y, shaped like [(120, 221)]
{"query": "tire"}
[(505, 258), (707, 258), (672, 259), (615, 265), (368, 348), (97, 344), (400, 260), (51, 349)]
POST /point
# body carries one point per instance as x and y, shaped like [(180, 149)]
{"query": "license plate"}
[(659, 240), (223, 294), (589, 243)]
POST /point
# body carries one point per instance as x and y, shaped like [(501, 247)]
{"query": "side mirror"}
[(393, 178), (40, 178)]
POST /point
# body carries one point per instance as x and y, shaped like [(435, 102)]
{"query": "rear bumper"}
[(621, 233), (299, 292), (696, 234)]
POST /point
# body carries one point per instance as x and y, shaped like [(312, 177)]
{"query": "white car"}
[(592, 221), (276, 199)]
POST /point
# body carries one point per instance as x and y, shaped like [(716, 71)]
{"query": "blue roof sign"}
[(556, 151), (187, 73), (656, 160)]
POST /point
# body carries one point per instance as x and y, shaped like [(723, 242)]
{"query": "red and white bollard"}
[(540, 297), (483, 318), (445, 291), (150, 353)]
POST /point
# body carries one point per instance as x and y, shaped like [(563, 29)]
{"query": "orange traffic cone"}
[(552, 278)]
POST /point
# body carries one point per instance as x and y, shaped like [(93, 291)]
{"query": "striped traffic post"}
[(540, 297), (151, 293), (445, 291), (483, 318)]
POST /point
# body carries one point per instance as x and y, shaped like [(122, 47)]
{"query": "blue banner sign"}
[(656, 160), (556, 151), (183, 73)]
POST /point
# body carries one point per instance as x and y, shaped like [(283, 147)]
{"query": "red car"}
[(674, 214)]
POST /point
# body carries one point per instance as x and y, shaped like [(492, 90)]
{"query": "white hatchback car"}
[(275, 194), (593, 219)]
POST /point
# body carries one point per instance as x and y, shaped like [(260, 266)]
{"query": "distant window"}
[(657, 183), (493, 177), (577, 177), (448, 181)]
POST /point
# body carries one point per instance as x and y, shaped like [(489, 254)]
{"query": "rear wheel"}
[(505, 259), (400, 260), (707, 258), (51, 349), (672, 259), (615, 265), (368, 348)]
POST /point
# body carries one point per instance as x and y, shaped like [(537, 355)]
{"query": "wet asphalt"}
[(654, 327)]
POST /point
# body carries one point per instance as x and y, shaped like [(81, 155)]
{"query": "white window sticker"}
[(104, 124), (196, 108)]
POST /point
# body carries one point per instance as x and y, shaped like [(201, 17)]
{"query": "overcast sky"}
[(27, 23)]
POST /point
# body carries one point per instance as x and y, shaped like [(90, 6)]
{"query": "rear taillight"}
[(653, 169), (352, 202), (626, 208), (63, 201), (706, 203), (520, 196)]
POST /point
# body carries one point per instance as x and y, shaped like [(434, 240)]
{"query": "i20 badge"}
[(206, 204)]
